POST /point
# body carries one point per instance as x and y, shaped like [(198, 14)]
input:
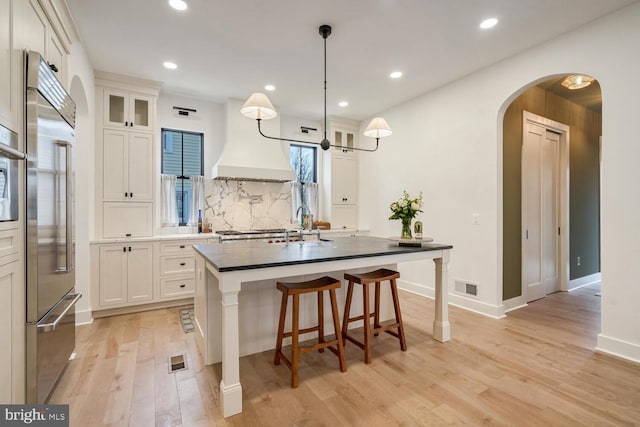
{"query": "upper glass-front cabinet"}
[(132, 111), (344, 139)]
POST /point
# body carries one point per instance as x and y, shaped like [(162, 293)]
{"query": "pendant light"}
[(259, 107)]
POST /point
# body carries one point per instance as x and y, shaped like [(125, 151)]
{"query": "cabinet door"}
[(113, 275), (343, 180), (6, 29), (35, 28), (343, 216), (140, 272), (140, 167), (127, 219), (57, 57), (115, 165), (116, 108), (12, 329), (344, 139), (140, 113)]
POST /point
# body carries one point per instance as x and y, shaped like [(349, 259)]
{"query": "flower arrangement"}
[(405, 209)]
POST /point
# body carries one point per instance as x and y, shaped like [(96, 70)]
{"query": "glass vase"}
[(406, 228)]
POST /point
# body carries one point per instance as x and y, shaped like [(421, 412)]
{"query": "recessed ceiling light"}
[(178, 4), (577, 82), (343, 104), (169, 65), (488, 23), (396, 74), (270, 88)]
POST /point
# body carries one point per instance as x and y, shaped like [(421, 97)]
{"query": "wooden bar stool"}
[(365, 279), (296, 289)]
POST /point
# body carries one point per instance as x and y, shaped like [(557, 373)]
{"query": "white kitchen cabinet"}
[(126, 274), (177, 268), (344, 138), (127, 219), (343, 180), (12, 330), (127, 166), (344, 217), (129, 110), (35, 34), (57, 57), (6, 34)]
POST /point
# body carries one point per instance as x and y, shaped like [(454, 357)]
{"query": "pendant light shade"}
[(258, 107), (378, 128)]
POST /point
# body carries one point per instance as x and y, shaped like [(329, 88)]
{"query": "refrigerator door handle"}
[(48, 327), (12, 153), (68, 206)]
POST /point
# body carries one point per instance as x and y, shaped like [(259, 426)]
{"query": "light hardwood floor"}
[(536, 367)]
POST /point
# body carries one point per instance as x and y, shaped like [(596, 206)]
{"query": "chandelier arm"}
[(370, 150)]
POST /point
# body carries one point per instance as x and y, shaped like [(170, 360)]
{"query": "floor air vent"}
[(177, 363)]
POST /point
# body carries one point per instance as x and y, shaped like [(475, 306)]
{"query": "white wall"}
[(82, 89), (448, 144)]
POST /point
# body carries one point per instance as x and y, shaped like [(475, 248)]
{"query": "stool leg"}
[(320, 319), (396, 308), (367, 324), (376, 315), (347, 309), (283, 314), (336, 327), (294, 341)]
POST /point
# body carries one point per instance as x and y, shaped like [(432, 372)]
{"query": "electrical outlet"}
[(578, 261), (475, 219)]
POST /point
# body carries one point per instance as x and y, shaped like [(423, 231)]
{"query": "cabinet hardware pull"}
[(129, 248), (126, 124), (183, 263), (125, 194), (128, 235), (181, 246), (131, 124), (183, 286), (124, 249), (131, 195)]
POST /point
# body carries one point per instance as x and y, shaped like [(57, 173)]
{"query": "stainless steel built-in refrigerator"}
[(50, 241)]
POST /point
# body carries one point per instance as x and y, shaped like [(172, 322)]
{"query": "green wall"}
[(584, 187)]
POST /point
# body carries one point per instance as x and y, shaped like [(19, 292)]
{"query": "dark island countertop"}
[(247, 256)]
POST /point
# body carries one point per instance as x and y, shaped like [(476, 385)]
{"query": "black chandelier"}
[(260, 108)]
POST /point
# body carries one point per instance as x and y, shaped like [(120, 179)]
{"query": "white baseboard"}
[(581, 282), (84, 317), (495, 312), (514, 303), (616, 347)]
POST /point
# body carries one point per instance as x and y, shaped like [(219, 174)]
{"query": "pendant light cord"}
[(325, 87)]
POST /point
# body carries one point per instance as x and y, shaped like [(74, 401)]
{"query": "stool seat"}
[(321, 284), (395, 329), (296, 289), (379, 275)]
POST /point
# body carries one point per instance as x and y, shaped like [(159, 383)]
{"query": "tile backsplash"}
[(246, 205)]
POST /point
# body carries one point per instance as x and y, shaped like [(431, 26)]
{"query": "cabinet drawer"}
[(9, 242), (176, 288), (176, 264), (183, 247)]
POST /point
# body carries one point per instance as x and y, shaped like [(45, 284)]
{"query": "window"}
[(182, 156), (303, 161)]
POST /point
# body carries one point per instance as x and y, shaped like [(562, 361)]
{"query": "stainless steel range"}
[(270, 235)]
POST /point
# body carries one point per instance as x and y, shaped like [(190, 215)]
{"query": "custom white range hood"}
[(246, 155)]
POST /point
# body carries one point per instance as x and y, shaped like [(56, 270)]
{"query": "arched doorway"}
[(580, 110)]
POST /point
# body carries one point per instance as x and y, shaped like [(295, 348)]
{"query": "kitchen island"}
[(231, 323)]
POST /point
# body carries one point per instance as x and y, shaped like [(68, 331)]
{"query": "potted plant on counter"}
[(405, 209)]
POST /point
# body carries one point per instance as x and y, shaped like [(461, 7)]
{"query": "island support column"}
[(441, 326), (230, 387)]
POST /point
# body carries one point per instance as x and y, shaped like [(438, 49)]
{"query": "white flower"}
[(394, 206), (415, 206)]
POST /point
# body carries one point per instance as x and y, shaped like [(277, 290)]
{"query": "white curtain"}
[(311, 198), (169, 209), (296, 200), (197, 199)]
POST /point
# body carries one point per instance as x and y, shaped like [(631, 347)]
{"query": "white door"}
[(113, 275), (140, 165), (540, 217)]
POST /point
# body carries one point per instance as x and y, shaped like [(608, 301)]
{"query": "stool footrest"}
[(353, 340), (301, 331)]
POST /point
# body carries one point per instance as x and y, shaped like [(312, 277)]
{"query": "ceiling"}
[(589, 97), (229, 49)]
